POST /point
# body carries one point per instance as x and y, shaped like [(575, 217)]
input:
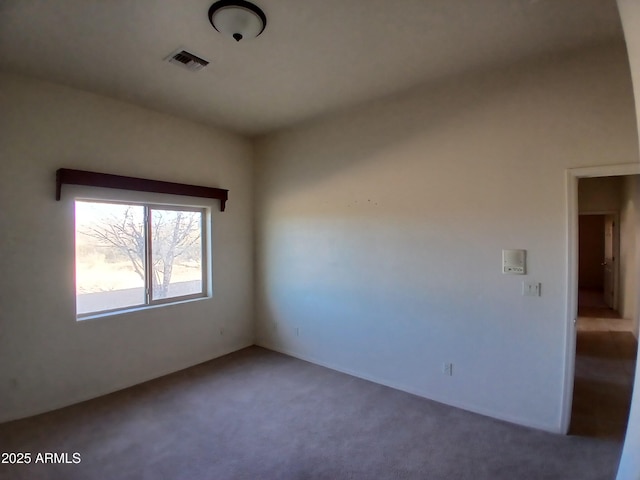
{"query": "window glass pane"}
[(176, 249), (109, 256)]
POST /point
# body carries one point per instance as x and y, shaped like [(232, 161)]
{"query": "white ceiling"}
[(314, 56)]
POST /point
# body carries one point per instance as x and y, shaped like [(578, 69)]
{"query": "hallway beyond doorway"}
[(591, 304)]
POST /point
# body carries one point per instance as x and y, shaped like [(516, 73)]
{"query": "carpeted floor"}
[(256, 414), (606, 352), (591, 304)]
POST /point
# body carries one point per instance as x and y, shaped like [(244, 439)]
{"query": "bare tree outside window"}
[(176, 242), (112, 241)]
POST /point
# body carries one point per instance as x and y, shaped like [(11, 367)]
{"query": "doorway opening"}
[(604, 290)]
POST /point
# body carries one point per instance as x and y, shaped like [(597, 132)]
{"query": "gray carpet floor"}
[(257, 414)]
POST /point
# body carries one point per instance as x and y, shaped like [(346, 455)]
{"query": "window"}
[(132, 255)]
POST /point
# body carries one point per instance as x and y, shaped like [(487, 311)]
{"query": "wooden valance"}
[(105, 180)]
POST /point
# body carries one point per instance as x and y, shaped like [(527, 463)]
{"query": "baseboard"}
[(524, 422), (83, 398)]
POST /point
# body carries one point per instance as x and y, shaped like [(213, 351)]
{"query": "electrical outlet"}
[(447, 369), (221, 331), (297, 331)]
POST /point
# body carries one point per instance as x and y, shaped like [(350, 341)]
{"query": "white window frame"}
[(150, 201)]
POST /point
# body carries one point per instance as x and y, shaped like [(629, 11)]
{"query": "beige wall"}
[(600, 194), (380, 231), (630, 461), (48, 358)]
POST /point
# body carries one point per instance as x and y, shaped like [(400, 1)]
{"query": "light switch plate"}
[(531, 289)]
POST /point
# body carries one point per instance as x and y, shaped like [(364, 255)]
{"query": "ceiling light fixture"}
[(237, 18)]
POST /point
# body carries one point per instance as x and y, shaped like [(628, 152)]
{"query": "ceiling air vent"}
[(187, 60)]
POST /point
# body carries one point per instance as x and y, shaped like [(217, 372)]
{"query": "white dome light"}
[(237, 19)]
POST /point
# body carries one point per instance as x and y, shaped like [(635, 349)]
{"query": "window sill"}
[(140, 308)]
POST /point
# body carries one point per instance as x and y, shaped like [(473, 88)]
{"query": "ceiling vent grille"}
[(187, 60)]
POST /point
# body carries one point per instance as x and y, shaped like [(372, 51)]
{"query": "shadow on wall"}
[(425, 113), (379, 231)]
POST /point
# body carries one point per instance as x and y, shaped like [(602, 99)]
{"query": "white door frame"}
[(572, 177)]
